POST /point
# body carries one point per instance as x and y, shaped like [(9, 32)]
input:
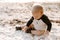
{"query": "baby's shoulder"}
[(44, 17)]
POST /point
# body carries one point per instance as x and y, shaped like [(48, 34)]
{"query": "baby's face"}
[(37, 14)]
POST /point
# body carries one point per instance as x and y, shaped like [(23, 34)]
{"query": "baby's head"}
[(37, 11)]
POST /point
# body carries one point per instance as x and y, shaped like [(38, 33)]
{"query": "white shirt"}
[(39, 24)]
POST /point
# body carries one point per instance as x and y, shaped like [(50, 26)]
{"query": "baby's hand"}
[(46, 33), (24, 29)]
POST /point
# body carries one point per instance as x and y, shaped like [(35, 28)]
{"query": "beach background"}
[(17, 14)]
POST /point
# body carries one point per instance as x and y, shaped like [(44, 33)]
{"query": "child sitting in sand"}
[(39, 24)]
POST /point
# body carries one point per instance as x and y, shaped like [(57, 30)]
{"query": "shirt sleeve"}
[(47, 22), (29, 22)]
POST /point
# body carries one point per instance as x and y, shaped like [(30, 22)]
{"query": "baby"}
[(39, 24)]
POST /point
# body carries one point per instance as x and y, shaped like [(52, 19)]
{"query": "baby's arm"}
[(48, 23), (26, 28), (29, 24), (46, 20)]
